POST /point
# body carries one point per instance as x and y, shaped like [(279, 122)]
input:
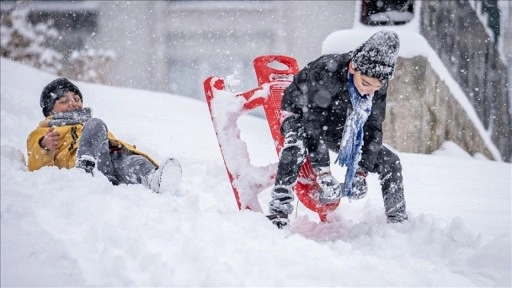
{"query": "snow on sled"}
[(274, 73)]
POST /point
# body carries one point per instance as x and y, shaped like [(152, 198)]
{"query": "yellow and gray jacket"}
[(65, 155)]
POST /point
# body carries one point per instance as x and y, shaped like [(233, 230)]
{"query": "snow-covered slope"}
[(63, 227)]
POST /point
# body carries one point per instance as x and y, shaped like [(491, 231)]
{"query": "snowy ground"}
[(65, 228)]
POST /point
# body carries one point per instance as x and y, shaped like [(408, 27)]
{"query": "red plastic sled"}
[(226, 107)]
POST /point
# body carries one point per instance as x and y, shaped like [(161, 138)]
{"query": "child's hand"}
[(51, 140)]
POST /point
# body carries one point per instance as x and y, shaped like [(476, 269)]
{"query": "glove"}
[(359, 186), (331, 188)]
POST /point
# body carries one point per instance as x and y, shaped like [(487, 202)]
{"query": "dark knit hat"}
[(376, 57), (53, 91)]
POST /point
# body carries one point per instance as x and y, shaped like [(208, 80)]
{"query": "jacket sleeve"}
[(37, 156), (373, 131), (295, 97)]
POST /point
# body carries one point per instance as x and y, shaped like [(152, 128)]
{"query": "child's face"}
[(364, 84), (68, 102)]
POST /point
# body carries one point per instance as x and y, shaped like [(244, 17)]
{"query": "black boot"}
[(280, 206), (86, 164), (280, 220)]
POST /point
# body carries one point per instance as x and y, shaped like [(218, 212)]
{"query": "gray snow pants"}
[(120, 165), (293, 155)]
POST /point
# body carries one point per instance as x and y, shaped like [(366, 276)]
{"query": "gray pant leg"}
[(292, 156), (94, 144), (293, 153), (390, 174), (132, 169)]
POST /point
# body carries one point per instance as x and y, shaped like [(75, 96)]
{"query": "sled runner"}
[(226, 107)]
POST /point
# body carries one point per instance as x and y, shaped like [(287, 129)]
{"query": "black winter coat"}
[(319, 95)]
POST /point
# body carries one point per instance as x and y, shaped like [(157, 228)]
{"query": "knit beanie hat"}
[(376, 57), (53, 91)]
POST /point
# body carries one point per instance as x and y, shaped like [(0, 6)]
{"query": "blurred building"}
[(76, 21), (173, 46)]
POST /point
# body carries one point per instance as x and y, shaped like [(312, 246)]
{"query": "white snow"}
[(65, 228)]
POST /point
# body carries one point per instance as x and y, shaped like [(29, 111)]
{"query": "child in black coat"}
[(338, 103)]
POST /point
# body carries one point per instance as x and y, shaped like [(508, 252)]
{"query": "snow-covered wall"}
[(468, 39), (426, 104)]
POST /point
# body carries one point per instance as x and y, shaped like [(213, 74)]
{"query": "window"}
[(386, 12)]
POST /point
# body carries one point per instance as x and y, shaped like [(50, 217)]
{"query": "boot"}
[(282, 196), (359, 186), (87, 163), (397, 218), (331, 189), (167, 178), (280, 220), (280, 206)]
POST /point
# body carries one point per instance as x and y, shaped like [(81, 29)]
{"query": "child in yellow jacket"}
[(69, 137)]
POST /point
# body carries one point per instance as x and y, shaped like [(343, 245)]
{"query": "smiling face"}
[(365, 85), (68, 102)]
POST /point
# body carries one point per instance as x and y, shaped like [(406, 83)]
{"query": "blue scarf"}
[(352, 140)]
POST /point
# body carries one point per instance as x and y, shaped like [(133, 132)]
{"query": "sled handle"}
[(266, 74)]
